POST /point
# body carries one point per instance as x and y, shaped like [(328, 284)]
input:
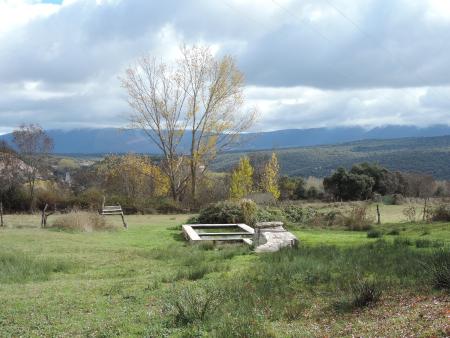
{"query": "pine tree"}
[(270, 177), (242, 179)]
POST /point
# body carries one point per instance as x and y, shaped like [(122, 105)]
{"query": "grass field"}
[(146, 281)]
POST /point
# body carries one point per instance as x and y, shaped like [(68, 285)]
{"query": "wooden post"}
[(424, 210), (1, 215), (44, 216), (378, 215), (123, 220)]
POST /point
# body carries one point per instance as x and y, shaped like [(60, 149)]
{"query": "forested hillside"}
[(429, 155)]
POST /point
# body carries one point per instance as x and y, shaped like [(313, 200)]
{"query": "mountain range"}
[(112, 140), (426, 155)]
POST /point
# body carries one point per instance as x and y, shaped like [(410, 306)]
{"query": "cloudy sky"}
[(308, 63)]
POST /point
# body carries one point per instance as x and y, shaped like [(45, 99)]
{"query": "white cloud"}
[(16, 13), (308, 63)]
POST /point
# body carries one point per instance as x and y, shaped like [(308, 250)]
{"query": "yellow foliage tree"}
[(134, 176), (270, 177), (242, 179)]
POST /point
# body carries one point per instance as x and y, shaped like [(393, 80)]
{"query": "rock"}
[(272, 236)]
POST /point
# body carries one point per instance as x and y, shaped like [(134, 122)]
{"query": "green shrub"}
[(427, 243), (167, 206), (394, 232), (395, 199), (90, 199), (439, 269), (82, 221), (294, 213), (374, 234), (267, 214), (228, 212), (248, 209), (402, 241)]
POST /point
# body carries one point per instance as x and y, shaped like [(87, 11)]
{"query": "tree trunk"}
[(31, 188), (193, 181), (193, 165), (1, 215), (378, 215)]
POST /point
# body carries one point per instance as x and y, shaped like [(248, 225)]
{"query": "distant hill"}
[(430, 155), (111, 140)]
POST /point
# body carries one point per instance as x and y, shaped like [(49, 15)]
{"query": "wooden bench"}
[(108, 210)]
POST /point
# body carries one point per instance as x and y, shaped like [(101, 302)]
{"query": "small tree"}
[(270, 177), (33, 145), (241, 179), (133, 176), (291, 188)]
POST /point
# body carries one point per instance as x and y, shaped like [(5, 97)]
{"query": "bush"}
[(427, 243), (331, 218), (269, 215), (402, 241), (410, 213), (228, 212), (439, 269), (294, 213), (441, 213), (374, 234), (358, 219), (82, 221), (90, 199)]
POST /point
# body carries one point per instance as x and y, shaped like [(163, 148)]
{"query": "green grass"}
[(146, 281)]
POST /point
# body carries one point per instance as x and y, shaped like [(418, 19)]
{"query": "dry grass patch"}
[(82, 221)]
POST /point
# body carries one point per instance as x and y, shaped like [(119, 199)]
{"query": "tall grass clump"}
[(439, 269), (190, 303), (17, 267), (82, 221), (365, 292)]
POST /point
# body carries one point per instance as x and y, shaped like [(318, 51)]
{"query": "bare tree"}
[(33, 145), (200, 97)]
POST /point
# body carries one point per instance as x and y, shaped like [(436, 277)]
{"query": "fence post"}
[(1, 214), (378, 215)]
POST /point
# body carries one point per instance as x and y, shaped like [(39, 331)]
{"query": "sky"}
[(307, 63)]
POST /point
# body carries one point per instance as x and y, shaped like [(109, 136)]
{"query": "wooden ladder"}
[(113, 210)]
